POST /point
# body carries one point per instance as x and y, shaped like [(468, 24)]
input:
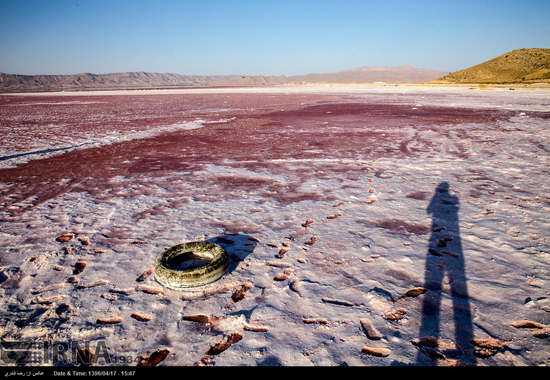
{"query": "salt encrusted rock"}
[(48, 288), (84, 240), (65, 238), (369, 329), (321, 321), (282, 252), (93, 284), (79, 266), (154, 359), (241, 292), (312, 240), (109, 297), (514, 231), (225, 344), (380, 352), (150, 289), (141, 317), (281, 277), (109, 321), (307, 223), (145, 274), (395, 315), (73, 280)]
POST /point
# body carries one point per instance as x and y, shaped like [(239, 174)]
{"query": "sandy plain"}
[(370, 225)]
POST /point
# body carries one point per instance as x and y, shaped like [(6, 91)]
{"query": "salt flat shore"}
[(374, 225)]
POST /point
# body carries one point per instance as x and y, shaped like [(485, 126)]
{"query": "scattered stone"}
[(241, 292), (68, 250), (280, 264), (219, 288), (335, 216), (201, 318), (395, 315), (73, 280), (84, 240), (281, 277), (514, 231), (312, 240), (150, 289), (109, 297), (256, 328), (485, 348), (48, 288), (438, 229), (141, 317), (434, 252), (538, 329), (225, 344), (139, 242), (126, 291), (372, 190), (65, 238), (48, 300), (108, 321), (336, 302), (145, 274), (307, 223), (79, 266), (441, 243), (369, 329), (92, 284), (450, 253), (338, 204), (427, 341), (414, 292), (380, 352), (282, 252), (63, 308), (58, 268), (321, 321), (154, 359)]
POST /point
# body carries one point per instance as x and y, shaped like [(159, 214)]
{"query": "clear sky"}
[(262, 37)]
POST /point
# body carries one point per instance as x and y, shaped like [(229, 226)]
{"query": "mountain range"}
[(517, 66), (135, 80)]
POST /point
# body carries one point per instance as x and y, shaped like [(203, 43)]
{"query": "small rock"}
[(380, 352), (154, 359), (65, 238), (369, 329)]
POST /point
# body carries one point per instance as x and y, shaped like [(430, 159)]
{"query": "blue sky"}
[(262, 37)]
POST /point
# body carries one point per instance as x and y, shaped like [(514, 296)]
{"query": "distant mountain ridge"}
[(87, 81), (517, 66), (371, 74)]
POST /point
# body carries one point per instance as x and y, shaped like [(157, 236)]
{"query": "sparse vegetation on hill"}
[(517, 66)]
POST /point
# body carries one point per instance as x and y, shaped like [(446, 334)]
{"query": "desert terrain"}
[(381, 225)]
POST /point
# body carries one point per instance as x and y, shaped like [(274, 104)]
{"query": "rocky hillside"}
[(517, 66), (88, 81)]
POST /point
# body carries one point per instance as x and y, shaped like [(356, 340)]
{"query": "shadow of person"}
[(445, 273)]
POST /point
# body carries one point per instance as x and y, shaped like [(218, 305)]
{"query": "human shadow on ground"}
[(445, 269)]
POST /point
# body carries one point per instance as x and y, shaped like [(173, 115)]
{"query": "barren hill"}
[(248, 81), (517, 66), (370, 74), (86, 81)]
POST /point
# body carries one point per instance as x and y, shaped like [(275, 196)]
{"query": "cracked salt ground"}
[(375, 252)]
